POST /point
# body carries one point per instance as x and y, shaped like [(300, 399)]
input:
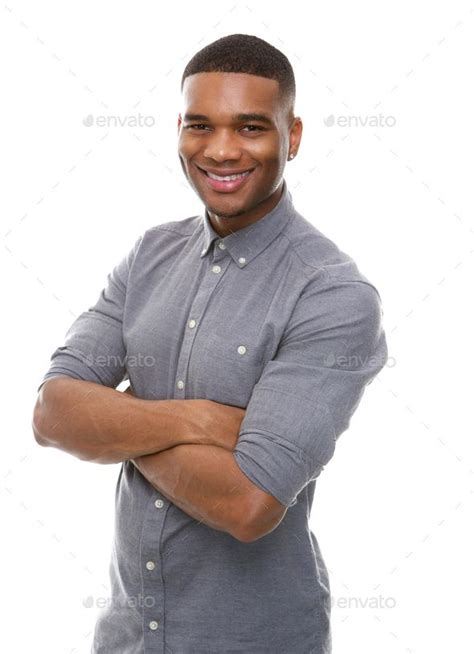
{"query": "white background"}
[(393, 510)]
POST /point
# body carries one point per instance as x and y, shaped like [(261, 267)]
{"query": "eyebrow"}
[(261, 118)]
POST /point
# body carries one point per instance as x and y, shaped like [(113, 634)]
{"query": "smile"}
[(225, 183), (227, 178)]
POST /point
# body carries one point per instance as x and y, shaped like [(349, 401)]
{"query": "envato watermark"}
[(114, 360), (360, 121), (118, 121), (132, 602), (356, 362), (376, 602)]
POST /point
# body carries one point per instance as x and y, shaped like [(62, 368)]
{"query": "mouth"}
[(225, 183)]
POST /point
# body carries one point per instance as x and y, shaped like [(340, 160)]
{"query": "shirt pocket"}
[(233, 366)]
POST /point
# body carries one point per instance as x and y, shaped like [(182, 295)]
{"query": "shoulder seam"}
[(305, 264)]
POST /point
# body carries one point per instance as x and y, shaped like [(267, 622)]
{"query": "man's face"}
[(215, 137)]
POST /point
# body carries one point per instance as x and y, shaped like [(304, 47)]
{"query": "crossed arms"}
[(196, 452), (184, 448)]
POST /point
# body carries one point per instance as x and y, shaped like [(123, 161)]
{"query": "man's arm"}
[(99, 424), (207, 484), (197, 471), (303, 401)]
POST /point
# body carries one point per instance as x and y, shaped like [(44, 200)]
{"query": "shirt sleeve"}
[(334, 345), (93, 348)]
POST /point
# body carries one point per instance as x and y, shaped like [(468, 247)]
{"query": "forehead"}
[(230, 93)]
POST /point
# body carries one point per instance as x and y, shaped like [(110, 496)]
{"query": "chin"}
[(224, 205), (225, 211)]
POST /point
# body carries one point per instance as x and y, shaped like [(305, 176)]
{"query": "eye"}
[(197, 125), (201, 125)]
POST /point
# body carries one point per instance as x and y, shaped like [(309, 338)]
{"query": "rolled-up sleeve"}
[(334, 345), (93, 348)]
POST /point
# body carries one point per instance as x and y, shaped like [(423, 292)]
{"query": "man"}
[(248, 338)]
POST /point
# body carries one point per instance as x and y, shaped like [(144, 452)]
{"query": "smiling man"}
[(237, 133), (248, 338)]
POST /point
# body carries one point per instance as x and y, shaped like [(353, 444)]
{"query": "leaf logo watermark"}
[(378, 120), (139, 601), (118, 121)]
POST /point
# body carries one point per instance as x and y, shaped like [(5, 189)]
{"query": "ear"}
[(180, 120), (296, 132)]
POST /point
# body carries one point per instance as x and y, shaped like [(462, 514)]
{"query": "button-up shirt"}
[(273, 318)]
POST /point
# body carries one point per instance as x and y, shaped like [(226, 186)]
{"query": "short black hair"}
[(245, 53)]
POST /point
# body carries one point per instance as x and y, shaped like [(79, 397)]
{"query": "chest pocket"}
[(234, 366)]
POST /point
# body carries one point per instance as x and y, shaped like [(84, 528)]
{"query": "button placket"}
[(152, 601), (203, 295), (152, 582)]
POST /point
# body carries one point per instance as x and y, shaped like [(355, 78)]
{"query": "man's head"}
[(238, 116)]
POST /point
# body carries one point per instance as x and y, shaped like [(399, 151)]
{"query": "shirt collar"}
[(247, 243)]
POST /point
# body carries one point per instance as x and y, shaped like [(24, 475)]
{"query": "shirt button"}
[(192, 323), (150, 565), (221, 245), (216, 269), (159, 504), (242, 260), (153, 625), (241, 349), (180, 384)]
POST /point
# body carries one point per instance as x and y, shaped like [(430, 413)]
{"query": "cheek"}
[(270, 151), (185, 148), (274, 161)]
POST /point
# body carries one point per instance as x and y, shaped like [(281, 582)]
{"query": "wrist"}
[(193, 428)]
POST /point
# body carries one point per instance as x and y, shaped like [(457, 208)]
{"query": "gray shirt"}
[(273, 318)]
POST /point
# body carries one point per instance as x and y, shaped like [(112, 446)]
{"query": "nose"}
[(222, 146)]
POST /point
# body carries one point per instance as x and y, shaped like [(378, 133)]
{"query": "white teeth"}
[(227, 178)]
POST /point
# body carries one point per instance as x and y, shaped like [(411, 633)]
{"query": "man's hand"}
[(221, 423), (218, 423)]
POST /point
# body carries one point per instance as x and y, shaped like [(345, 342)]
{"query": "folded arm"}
[(207, 484), (183, 447), (101, 425)]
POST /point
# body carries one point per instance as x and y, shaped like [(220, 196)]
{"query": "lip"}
[(224, 171), (225, 187)]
